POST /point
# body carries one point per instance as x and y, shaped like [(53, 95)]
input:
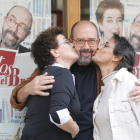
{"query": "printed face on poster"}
[(18, 29), (120, 17)]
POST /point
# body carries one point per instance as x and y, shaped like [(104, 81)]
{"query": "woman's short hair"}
[(124, 48), (40, 49), (108, 4)]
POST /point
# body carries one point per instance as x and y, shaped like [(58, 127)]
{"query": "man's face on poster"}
[(135, 34), (15, 27)]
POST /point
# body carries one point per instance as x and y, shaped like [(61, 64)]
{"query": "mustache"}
[(136, 36), (12, 33), (86, 51)]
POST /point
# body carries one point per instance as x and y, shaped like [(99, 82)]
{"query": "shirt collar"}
[(109, 77), (120, 73), (57, 64)]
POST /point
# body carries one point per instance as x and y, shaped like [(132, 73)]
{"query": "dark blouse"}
[(62, 96)]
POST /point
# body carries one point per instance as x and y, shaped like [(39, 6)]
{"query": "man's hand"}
[(35, 87), (135, 93), (38, 84)]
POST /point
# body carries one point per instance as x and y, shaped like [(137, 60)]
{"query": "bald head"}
[(83, 24), (24, 11)]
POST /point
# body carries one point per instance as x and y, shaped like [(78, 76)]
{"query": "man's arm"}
[(135, 93), (32, 86)]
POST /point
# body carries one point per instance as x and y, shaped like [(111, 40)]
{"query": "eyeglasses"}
[(66, 41), (107, 45), (21, 28), (136, 26), (81, 42)]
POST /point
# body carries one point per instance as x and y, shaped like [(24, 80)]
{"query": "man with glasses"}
[(135, 34), (84, 36), (16, 27)]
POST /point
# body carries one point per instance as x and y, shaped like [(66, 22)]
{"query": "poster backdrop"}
[(41, 12), (110, 20), (16, 67)]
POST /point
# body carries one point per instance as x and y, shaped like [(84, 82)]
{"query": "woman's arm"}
[(59, 114), (61, 95), (71, 127)]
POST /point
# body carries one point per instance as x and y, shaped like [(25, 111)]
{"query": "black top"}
[(23, 49), (63, 95), (86, 86)]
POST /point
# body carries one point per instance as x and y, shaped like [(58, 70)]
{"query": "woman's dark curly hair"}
[(124, 48), (40, 49)]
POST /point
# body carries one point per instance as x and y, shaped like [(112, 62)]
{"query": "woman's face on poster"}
[(111, 23)]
